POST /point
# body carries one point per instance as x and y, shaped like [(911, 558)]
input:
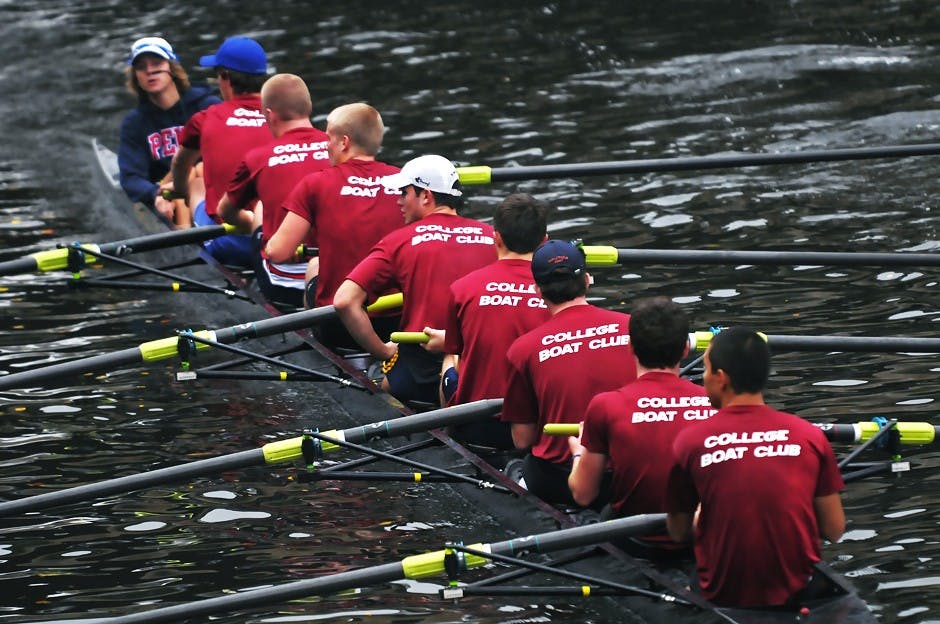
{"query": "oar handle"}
[(561, 429), (403, 337), (913, 433), (386, 302)]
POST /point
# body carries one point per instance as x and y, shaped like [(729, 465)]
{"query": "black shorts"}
[(549, 481), (415, 375)]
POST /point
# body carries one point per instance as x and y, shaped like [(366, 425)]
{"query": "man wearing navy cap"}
[(222, 135), (558, 367)]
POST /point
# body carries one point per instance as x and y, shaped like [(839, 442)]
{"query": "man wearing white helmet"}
[(150, 132), (422, 259)]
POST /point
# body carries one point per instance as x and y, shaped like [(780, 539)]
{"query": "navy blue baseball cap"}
[(557, 260), (239, 54)]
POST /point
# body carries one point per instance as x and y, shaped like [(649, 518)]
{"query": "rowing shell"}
[(525, 514)]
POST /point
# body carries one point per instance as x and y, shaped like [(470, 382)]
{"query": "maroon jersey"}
[(558, 367), (224, 133), (269, 173), (635, 427), (488, 309), (422, 259), (756, 472), (351, 211)]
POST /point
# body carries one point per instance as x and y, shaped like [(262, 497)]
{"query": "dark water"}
[(483, 83)]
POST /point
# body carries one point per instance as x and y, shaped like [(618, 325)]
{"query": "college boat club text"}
[(771, 444), (599, 337)]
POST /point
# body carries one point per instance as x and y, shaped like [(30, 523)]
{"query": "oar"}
[(164, 348), (413, 567), (600, 255), (859, 344), (913, 433), (782, 342), (58, 259), (484, 174), (271, 453)]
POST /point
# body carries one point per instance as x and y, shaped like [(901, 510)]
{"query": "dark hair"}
[(521, 221), (180, 79), (445, 199), (659, 332), (242, 82), (744, 356), (564, 289)]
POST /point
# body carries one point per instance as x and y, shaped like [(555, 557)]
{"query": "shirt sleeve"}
[(241, 190), (681, 495), (520, 404), (594, 435), (191, 135), (453, 337), (376, 273), (830, 477)]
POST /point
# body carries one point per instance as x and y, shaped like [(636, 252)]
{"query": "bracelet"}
[(575, 455)]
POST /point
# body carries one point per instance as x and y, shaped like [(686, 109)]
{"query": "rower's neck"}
[(280, 128), (642, 370), (555, 308), (746, 398)]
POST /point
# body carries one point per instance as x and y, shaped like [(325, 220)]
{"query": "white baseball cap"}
[(431, 172), (154, 45)]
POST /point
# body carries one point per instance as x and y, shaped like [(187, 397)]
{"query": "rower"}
[(435, 248), (348, 208), (486, 311), (557, 368), (268, 173), (766, 484), (631, 429), (221, 135)]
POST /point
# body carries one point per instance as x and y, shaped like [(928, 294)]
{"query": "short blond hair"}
[(361, 123), (288, 96)]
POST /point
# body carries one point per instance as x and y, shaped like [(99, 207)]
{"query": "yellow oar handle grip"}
[(386, 302), (911, 432), (58, 259), (600, 255), (480, 174), (432, 563), (561, 429), (698, 341), (409, 337)]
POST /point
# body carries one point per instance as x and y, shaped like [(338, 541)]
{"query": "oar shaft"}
[(57, 259), (857, 344), (434, 419), (414, 567), (138, 481), (914, 433), (272, 453), (168, 239), (165, 348), (599, 255), (486, 175), (319, 586), (71, 368)]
